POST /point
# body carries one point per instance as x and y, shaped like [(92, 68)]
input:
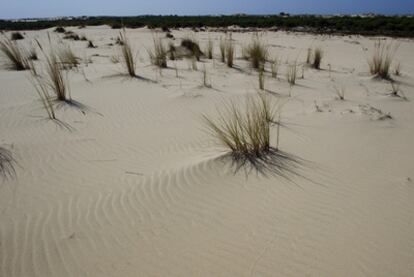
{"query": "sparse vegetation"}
[(158, 55), (60, 29), (229, 52), (274, 67), (127, 53), (53, 81), (256, 52), (244, 131), (193, 46), (206, 82), (381, 59), (16, 36), (17, 60), (33, 54), (6, 164), (210, 48), (223, 49), (90, 44), (67, 58), (291, 73), (261, 78), (171, 51), (397, 69), (340, 91), (317, 58)]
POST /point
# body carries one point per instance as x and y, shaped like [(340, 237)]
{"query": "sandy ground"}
[(137, 187)]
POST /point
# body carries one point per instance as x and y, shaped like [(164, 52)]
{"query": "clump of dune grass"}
[(16, 59), (60, 30), (192, 45), (42, 89), (6, 164), (223, 49), (317, 57), (291, 73), (53, 80), (158, 55), (229, 52), (397, 69), (16, 36), (244, 130), (309, 56), (67, 58), (396, 90), (90, 44), (381, 59), (340, 92), (210, 48), (33, 54), (274, 67), (261, 78), (127, 53), (257, 52), (171, 51), (206, 82)]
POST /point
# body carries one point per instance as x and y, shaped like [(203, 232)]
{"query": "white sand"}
[(137, 187)]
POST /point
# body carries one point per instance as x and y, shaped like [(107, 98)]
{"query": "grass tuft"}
[(16, 36), (158, 55), (67, 58), (16, 59), (127, 53), (381, 59), (229, 51), (222, 49), (256, 52), (291, 73), (193, 46), (6, 164), (317, 58), (210, 48), (244, 131)]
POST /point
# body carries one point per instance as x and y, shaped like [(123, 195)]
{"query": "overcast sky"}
[(49, 8)]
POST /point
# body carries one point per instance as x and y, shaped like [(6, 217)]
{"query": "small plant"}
[(67, 58), (71, 35), (192, 45), (42, 90), (309, 56), (158, 56), (206, 82), (244, 131), (90, 44), (171, 51), (274, 67), (16, 36), (53, 81), (396, 90), (340, 92), (381, 60), (6, 164), (397, 69), (60, 30), (291, 73), (33, 54), (317, 58), (223, 49), (11, 50), (209, 48), (261, 78), (127, 53), (229, 52), (257, 52)]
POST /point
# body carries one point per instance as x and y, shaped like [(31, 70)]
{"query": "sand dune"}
[(137, 188)]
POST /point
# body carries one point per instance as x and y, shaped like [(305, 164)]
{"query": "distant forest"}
[(397, 26)]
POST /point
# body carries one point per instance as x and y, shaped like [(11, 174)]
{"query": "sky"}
[(50, 8)]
